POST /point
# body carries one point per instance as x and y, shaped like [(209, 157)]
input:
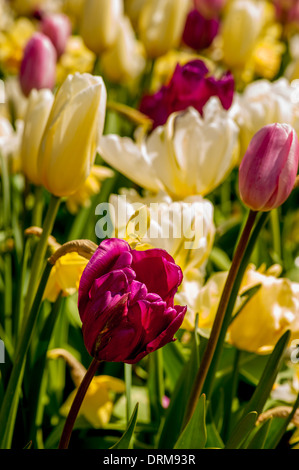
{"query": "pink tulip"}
[(38, 67), (58, 29), (269, 167), (126, 302)]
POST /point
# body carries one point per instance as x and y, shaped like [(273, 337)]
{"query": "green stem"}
[(40, 252), (71, 418), (9, 405), (219, 318), (232, 389), (128, 383), (231, 304), (37, 214)]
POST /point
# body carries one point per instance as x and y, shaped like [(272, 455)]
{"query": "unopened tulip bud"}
[(269, 167), (199, 31), (100, 23), (38, 67), (72, 134), (58, 29)]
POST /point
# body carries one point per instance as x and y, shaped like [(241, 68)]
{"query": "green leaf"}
[(278, 435), (125, 440), (260, 435), (177, 407), (262, 391), (241, 431), (173, 363), (194, 436)]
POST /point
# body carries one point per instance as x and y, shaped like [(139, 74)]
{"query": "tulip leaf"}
[(276, 437), (177, 407), (125, 440), (264, 387), (241, 431), (259, 437), (194, 436)]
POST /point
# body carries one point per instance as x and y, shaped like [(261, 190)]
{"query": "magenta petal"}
[(104, 260)]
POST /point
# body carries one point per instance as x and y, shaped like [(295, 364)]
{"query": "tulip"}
[(199, 31), (75, 125), (10, 142), (269, 167), (262, 103), (38, 110), (100, 23), (65, 276), (190, 85), (58, 29), (161, 25), (38, 67), (241, 28), (266, 316), (190, 155), (126, 302), (124, 61), (185, 229), (210, 8)]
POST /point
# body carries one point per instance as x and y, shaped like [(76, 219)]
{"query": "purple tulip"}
[(126, 302), (58, 29), (199, 32), (38, 67), (190, 85), (269, 167)]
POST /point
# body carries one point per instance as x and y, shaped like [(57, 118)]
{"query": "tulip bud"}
[(72, 134), (58, 29), (269, 167), (100, 22), (241, 28), (199, 31), (210, 8), (38, 110), (38, 67), (161, 25)]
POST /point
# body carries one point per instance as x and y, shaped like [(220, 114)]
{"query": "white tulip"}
[(189, 155)]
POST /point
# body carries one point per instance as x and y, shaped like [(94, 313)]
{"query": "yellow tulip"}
[(65, 276), (161, 25), (272, 310), (100, 22), (74, 128), (38, 110), (76, 58), (125, 60), (242, 26)]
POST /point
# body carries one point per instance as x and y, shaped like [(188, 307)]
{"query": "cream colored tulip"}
[(242, 25), (271, 311), (161, 25), (189, 155), (262, 103), (125, 60), (185, 229), (75, 125), (100, 23), (38, 110)]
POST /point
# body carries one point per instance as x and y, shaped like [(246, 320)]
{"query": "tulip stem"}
[(128, 382), (73, 413), (218, 322), (40, 251)]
